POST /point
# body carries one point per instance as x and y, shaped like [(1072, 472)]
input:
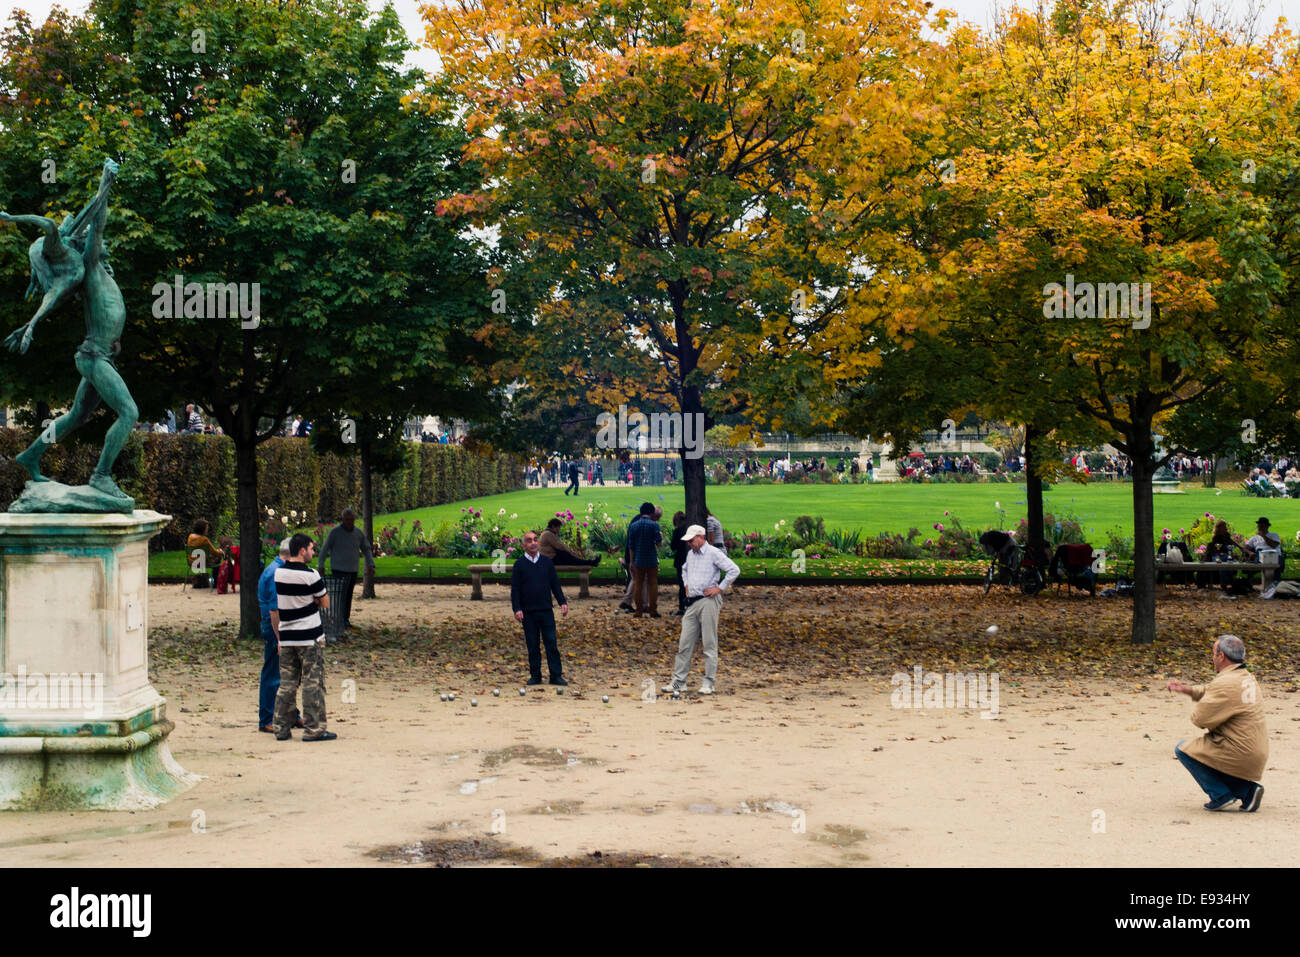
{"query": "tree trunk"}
[(367, 517), (1034, 502), (697, 510), (250, 533), (1144, 551)]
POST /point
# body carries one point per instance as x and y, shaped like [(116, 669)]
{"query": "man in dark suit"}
[(532, 583), (573, 479)]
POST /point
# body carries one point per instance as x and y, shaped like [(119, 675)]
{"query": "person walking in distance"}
[(532, 583), (300, 597), (643, 539), (343, 547), (270, 681), (703, 574), (573, 479)]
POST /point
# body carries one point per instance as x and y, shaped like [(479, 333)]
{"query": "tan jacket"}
[(548, 542), (1231, 710)]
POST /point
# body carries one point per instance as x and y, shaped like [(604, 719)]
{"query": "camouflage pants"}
[(305, 666)]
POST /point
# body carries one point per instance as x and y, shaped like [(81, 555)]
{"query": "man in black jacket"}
[(532, 583)]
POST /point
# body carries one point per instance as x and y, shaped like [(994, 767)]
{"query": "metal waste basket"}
[(336, 586)]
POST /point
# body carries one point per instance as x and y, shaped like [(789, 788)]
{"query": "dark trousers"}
[(681, 589), (646, 586), (349, 583), (541, 625), (1213, 782), (563, 557), (270, 683), (573, 484)]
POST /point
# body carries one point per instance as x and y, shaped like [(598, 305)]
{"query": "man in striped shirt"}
[(300, 596)]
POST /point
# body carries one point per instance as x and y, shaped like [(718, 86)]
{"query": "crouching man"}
[(1229, 759)]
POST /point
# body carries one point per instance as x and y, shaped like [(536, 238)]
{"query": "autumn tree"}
[(658, 173), (1121, 173)]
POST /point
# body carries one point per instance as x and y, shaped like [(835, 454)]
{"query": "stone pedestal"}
[(81, 728)]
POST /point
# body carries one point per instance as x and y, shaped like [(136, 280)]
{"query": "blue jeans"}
[(1214, 783), (270, 685)]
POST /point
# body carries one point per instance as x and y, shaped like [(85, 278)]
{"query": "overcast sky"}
[(979, 12)]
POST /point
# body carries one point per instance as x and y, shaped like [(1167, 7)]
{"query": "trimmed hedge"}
[(193, 476)]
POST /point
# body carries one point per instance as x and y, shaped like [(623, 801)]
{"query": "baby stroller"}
[(1010, 564)]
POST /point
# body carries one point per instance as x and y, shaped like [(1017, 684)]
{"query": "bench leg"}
[(476, 580), (584, 579)]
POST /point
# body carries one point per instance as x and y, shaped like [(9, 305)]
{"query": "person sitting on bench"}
[(554, 549)]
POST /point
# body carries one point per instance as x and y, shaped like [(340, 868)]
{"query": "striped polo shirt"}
[(296, 589)]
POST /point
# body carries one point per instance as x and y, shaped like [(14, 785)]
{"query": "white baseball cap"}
[(691, 532)]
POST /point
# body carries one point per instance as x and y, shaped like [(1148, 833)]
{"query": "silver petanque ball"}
[(451, 696), (522, 692), (473, 702), (496, 692), (442, 697), (604, 699)]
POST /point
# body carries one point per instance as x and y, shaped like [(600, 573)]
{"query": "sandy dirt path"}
[(772, 771)]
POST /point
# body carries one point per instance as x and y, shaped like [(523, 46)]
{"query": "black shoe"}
[(284, 737), (559, 681), (1251, 801), (1219, 804), (534, 681), (323, 736)]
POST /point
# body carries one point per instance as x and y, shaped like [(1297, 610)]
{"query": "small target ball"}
[(991, 630)]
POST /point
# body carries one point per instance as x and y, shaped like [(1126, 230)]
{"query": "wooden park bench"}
[(1253, 567), (478, 571)]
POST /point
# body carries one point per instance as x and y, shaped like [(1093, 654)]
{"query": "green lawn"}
[(172, 565), (893, 507)]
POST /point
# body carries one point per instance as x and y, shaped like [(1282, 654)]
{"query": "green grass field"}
[(893, 507)]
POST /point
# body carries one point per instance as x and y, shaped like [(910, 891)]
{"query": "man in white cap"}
[(705, 565)]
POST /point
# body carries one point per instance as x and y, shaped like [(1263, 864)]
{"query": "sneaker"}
[(533, 681), (706, 688), (1251, 803), (671, 688), (1220, 804), (284, 737), (1268, 592), (559, 681)]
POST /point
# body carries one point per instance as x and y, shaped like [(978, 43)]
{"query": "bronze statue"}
[(70, 261)]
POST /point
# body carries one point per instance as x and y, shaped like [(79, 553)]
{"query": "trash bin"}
[(336, 587)]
